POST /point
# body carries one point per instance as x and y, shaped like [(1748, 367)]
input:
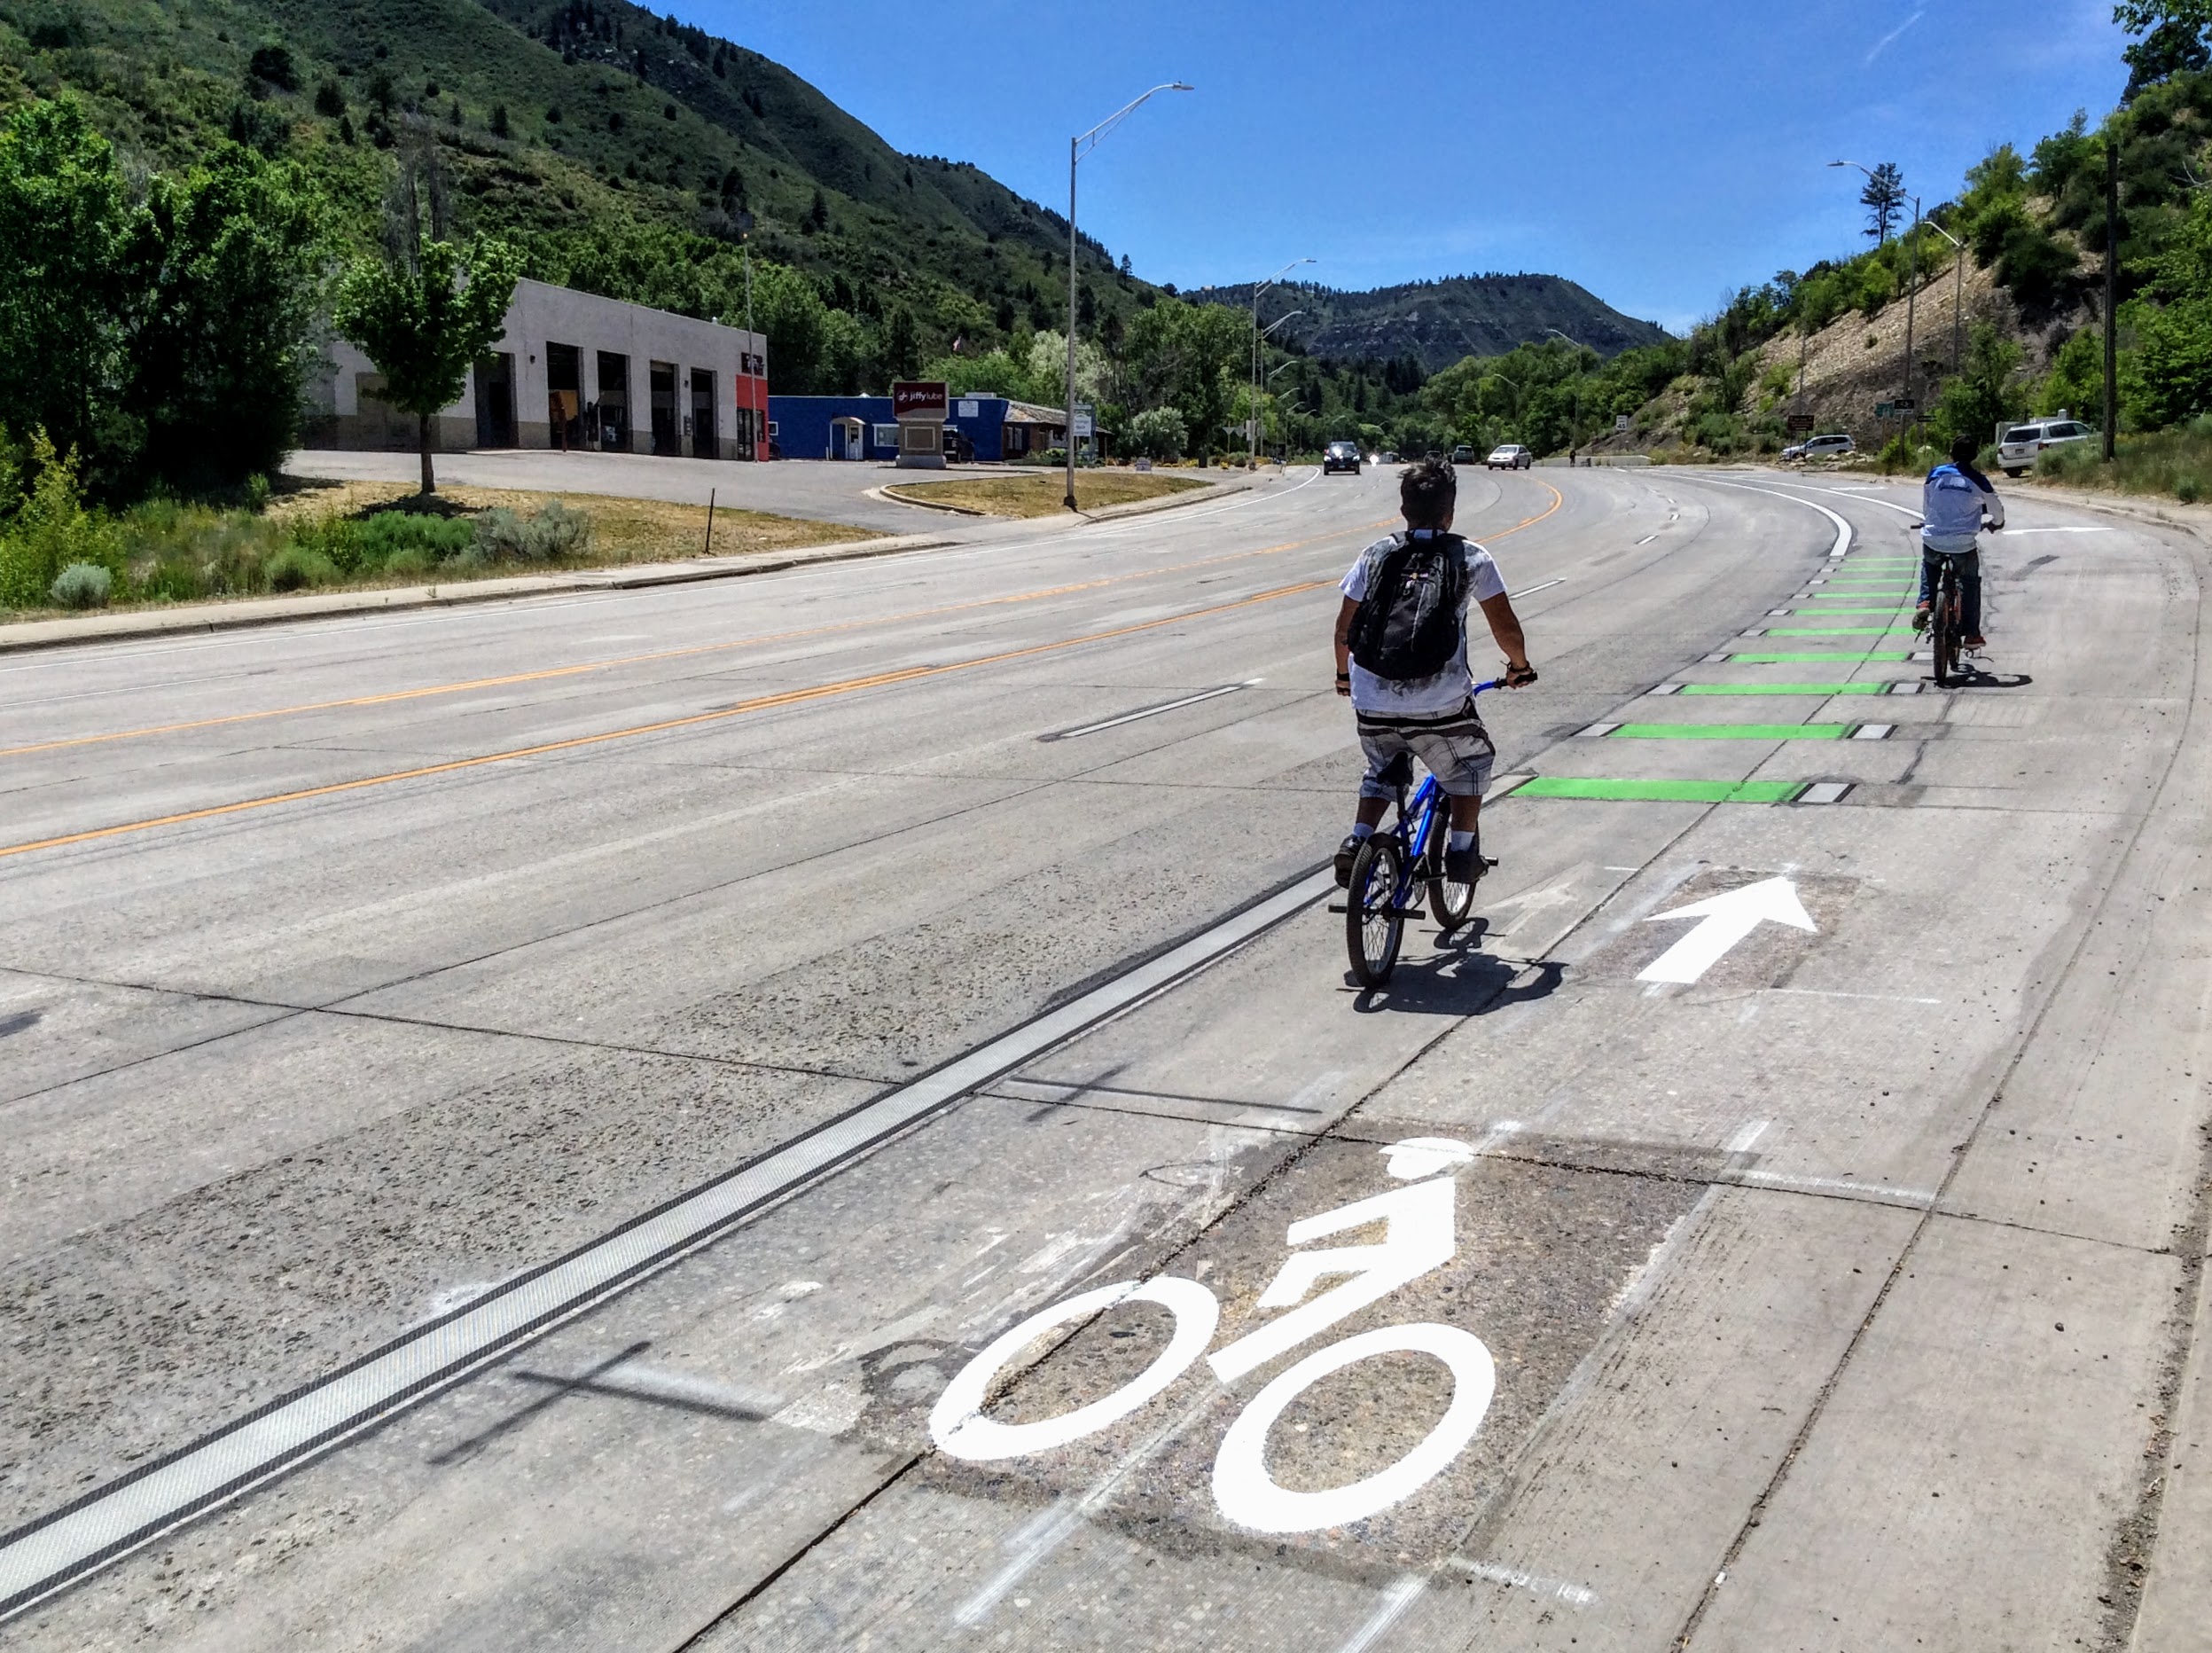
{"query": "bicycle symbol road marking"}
[(1418, 1237)]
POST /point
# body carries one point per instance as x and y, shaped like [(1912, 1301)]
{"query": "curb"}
[(199, 619)]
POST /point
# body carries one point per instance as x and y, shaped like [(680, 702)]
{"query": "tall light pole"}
[(1911, 288), (1957, 296), (1254, 422), (1575, 436), (1077, 147), (1260, 380), (1516, 390)]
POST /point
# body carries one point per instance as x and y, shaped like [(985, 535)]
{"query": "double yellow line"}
[(765, 703)]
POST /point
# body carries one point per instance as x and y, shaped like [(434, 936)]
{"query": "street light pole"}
[(1957, 296), (1575, 440), (1252, 423), (1515, 385), (1259, 380), (1077, 146)]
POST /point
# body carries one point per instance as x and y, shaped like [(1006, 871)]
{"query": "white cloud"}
[(1890, 39)]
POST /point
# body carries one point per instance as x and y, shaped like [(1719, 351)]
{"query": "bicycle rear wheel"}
[(1943, 627), (1374, 927), (1448, 902)]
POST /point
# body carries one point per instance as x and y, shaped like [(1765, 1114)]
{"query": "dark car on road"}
[(1340, 456)]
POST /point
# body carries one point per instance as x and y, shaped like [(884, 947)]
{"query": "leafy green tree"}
[(63, 299), (2173, 365), (1159, 433), (2174, 36), (425, 322), (225, 262), (1985, 391)]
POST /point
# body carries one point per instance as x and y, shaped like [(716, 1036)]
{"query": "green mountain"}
[(621, 149), (1436, 323)]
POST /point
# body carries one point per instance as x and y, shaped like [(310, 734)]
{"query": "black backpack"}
[(1408, 625)]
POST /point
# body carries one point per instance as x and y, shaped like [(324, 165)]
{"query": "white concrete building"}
[(574, 369)]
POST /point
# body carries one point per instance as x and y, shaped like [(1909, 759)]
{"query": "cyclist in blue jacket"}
[(1953, 502)]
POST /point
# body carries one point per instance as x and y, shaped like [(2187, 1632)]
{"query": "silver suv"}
[(2017, 450), (1822, 448)]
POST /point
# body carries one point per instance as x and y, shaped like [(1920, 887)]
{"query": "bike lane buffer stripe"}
[(1729, 731), (53, 1552)]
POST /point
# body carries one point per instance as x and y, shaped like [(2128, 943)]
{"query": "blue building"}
[(979, 428)]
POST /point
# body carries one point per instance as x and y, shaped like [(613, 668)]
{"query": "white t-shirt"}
[(1448, 689)]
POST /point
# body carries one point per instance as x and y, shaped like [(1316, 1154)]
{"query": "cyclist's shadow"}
[(1459, 979)]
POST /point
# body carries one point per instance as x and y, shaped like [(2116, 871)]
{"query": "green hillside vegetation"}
[(2034, 230)]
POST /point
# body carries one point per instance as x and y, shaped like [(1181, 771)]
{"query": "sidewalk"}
[(186, 618)]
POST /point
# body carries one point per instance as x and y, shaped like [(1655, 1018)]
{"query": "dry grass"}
[(1043, 494), (622, 531)]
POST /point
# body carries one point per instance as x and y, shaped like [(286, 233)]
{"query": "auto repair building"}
[(574, 369)]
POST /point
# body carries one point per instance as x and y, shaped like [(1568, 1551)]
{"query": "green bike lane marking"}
[(1781, 688), (1835, 630), (1728, 732), (1892, 609), (1659, 791), (1831, 656)]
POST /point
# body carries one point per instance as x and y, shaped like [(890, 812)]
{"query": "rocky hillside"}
[(1436, 323)]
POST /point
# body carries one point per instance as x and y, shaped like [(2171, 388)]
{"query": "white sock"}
[(1462, 840), (1361, 830)]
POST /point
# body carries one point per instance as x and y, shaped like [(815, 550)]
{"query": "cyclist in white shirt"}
[(1431, 716), (1953, 502)]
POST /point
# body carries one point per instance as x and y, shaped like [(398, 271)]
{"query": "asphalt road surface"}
[(819, 490), (828, 1110)]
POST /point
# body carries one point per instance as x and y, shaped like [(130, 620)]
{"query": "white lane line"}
[(2012, 531), (1842, 545), (49, 1553), (1872, 731), (1149, 711), (1826, 791), (1574, 1595), (1532, 590), (1400, 1595)]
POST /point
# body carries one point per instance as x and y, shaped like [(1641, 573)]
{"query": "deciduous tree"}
[(424, 322)]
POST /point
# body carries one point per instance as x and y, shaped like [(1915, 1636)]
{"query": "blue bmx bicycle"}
[(1392, 863)]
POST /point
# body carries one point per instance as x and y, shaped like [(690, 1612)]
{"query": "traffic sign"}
[(1885, 410), (1905, 405), (1800, 424)]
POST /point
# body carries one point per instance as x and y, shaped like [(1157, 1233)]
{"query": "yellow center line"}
[(765, 703), (664, 655), (547, 673)]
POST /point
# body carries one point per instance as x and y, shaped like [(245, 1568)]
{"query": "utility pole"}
[(1076, 146), (2112, 296), (1252, 423)]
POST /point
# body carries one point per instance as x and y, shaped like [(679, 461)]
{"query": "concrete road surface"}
[(830, 1111), (820, 490)]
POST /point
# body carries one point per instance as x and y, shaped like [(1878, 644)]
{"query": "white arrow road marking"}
[(1727, 920)]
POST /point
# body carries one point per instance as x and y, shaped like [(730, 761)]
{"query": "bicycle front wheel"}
[(1373, 926)]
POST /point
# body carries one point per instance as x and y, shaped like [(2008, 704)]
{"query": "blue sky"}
[(1659, 154)]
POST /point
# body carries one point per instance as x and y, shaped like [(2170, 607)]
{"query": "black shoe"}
[(1345, 851), (1465, 866)]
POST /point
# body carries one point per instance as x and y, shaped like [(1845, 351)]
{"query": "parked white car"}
[(2016, 451), (1832, 447)]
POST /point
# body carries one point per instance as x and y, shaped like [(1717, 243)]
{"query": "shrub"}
[(1159, 433), (82, 585), (408, 560), (554, 534), (389, 531), (295, 568), (50, 529), (2188, 490)]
